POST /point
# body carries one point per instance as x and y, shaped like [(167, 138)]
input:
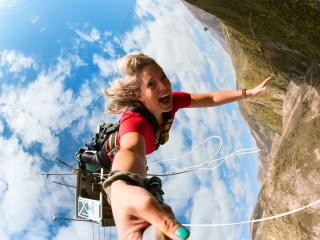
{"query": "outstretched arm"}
[(221, 97), (133, 207)]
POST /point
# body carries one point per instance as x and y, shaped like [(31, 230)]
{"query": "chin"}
[(168, 109)]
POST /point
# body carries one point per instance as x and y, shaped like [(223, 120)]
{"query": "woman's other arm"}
[(221, 97)]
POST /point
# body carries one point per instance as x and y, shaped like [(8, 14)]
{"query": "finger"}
[(153, 232), (164, 221), (266, 81), (135, 235), (167, 209)]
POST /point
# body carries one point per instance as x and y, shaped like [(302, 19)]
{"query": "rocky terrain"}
[(281, 38)]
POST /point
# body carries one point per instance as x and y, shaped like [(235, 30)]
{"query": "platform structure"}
[(91, 201)]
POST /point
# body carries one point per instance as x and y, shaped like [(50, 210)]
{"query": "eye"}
[(163, 77), (150, 84)]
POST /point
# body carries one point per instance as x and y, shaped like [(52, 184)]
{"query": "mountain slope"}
[(280, 38)]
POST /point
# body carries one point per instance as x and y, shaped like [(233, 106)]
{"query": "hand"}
[(134, 209), (260, 88)]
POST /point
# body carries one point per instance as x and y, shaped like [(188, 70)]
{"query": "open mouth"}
[(165, 99)]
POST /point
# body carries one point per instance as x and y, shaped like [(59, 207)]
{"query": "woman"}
[(146, 88)]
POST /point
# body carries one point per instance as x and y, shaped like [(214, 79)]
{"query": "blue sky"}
[(55, 60)]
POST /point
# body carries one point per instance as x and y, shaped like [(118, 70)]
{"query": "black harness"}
[(103, 145)]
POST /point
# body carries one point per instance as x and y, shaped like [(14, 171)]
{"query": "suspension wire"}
[(312, 204), (126, 25)]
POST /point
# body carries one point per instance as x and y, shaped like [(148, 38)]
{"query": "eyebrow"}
[(151, 79)]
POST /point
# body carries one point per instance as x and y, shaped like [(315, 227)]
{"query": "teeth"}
[(164, 98)]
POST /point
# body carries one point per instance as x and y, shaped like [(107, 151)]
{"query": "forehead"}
[(150, 71)]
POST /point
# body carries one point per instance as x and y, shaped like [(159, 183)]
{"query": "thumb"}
[(153, 232), (165, 222)]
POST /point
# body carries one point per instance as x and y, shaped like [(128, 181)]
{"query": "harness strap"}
[(103, 158), (105, 130), (152, 185), (163, 136), (112, 140), (148, 115)]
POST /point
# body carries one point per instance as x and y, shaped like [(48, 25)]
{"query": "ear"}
[(138, 95)]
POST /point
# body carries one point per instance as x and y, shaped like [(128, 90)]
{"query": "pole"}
[(55, 218), (63, 184), (56, 174)]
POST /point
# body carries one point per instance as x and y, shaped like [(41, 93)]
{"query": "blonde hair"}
[(122, 92)]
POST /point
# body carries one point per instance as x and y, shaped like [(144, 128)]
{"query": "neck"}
[(160, 119)]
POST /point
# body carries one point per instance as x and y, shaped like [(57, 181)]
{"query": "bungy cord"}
[(201, 165), (222, 159), (256, 220)]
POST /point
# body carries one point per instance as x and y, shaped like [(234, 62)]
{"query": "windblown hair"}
[(122, 92)]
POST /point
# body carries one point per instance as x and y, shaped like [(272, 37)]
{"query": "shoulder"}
[(132, 119), (180, 100), (134, 122)]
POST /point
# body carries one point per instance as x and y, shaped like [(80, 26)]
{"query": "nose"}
[(163, 85)]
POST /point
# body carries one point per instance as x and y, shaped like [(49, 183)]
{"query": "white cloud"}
[(24, 193), (93, 36), (44, 108), (107, 34), (34, 19), (1, 126), (84, 231), (237, 188), (43, 28), (38, 112), (106, 66), (4, 3), (21, 197), (78, 62), (109, 49), (166, 35), (7, 4), (197, 63), (16, 62)]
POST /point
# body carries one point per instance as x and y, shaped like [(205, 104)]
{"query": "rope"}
[(175, 171), (256, 220), (222, 159), (192, 168)]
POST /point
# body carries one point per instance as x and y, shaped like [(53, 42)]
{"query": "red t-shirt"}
[(136, 122)]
